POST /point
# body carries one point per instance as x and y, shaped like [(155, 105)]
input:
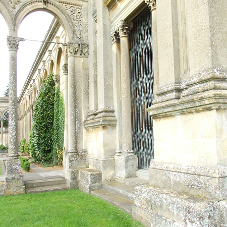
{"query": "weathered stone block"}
[(90, 180), (156, 205), (195, 180), (73, 178), (125, 166), (105, 165)]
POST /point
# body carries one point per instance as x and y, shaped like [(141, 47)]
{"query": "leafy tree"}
[(59, 122), (6, 92), (43, 118)]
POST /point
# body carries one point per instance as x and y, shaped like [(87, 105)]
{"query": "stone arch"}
[(6, 15), (58, 11)]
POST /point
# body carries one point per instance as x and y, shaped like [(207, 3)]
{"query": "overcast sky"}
[(33, 27)]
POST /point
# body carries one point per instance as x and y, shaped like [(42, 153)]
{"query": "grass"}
[(63, 208)]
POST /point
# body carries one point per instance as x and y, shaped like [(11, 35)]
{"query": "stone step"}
[(168, 207), (125, 191), (60, 187), (116, 200), (43, 183), (136, 181)]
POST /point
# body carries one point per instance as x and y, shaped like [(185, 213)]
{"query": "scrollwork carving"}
[(75, 13), (13, 42), (151, 4), (125, 28), (13, 3), (115, 37)]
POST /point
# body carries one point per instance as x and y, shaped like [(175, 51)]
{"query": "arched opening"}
[(51, 68), (4, 56), (58, 67)]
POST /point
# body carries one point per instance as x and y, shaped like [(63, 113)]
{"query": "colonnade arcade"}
[(67, 14)]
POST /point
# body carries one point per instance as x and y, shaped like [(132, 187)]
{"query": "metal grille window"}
[(141, 71)]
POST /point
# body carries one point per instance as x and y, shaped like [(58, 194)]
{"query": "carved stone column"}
[(74, 158), (65, 75), (2, 130), (13, 179), (126, 162)]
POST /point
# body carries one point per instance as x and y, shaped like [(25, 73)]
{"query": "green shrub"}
[(58, 132), (25, 164), (42, 123), (22, 144), (26, 148), (2, 147)]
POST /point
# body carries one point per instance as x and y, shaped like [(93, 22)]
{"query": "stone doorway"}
[(142, 83)]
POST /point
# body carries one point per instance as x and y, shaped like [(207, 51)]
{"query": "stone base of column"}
[(14, 184), (105, 165), (74, 162), (126, 165)]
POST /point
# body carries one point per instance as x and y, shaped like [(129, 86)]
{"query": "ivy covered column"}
[(13, 179)]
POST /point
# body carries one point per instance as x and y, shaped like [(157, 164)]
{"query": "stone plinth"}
[(14, 184), (126, 165), (90, 180), (162, 207)]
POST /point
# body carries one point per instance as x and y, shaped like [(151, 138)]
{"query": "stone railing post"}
[(13, 179)]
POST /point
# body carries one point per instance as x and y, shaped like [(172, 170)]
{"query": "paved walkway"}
[(35, 173)]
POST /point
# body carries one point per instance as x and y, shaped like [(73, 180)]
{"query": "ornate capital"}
[(65, 69), (124, 28), (115, 37), (73, 49), (151, 4), (13, 42), (56, 79), (79, 50)]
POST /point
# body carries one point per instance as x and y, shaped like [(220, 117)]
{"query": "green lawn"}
[(63, 208)]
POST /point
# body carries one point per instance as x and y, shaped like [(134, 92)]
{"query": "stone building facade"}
[(115, 59)]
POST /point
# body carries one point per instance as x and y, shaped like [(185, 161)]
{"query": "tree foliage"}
[(42, 126), (59, 121)]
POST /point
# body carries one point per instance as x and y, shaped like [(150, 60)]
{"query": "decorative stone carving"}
[(115, 37), (13, 3), (13, 42), (84, 50), (125, 28), (56, 79), (73, 49), (76, 14), (65, 69), (151, 4), (94, 14)]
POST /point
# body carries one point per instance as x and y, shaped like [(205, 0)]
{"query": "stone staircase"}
[(51, 184), (119, 194)]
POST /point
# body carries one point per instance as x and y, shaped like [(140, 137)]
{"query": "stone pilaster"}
[(13, 179), (125, 162)]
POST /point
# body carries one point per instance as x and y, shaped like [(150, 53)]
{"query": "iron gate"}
[(142, 87)]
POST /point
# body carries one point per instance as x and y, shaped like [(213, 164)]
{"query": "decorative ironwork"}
[(142, 82)]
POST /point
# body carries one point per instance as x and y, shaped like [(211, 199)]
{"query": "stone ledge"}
[(198, 181), (174, 209), (206, 90), (100, 118)]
